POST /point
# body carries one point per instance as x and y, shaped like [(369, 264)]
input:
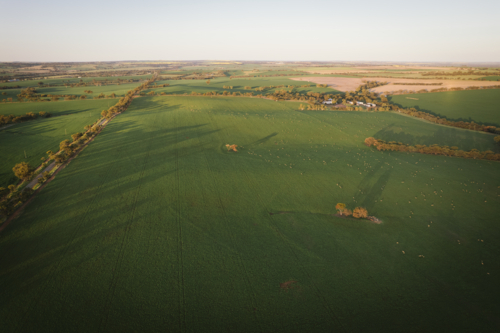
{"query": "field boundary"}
[(62, 166)]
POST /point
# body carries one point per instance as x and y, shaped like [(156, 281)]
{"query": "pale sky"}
[(315, 30)]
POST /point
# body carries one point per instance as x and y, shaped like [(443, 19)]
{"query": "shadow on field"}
[(264, 139)]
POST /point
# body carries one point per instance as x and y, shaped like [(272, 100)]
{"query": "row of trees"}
[(358, 212), (11, 198), (5, 120), (381, 145), (443, 121), (55, 98)]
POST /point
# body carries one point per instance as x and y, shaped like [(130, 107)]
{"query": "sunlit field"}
[(156, 226)]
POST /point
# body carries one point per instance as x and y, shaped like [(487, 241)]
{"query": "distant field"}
[(239, 84), (36, 137), (119, 90), (490, 78), (61, 81), (156, 227), (480, 106), (58, 108)]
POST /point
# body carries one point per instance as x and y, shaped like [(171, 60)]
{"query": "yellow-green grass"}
[(36, 137), (239, 84), (156, 227), (480, 106)]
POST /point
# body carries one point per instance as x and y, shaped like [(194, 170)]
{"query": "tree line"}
[(435, 149), (11, 119), (12, 197)]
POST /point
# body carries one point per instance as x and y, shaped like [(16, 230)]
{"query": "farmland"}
[(72, 80), (480, 106), (200, 86), (36, 137), (156, 226)]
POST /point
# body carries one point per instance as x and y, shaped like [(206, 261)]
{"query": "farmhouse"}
[(328, 101), (369, 105)]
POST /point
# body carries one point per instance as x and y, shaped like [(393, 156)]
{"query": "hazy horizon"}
[(57, 31)]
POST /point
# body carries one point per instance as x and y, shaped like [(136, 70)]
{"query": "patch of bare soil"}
[(289, 285), (338, 83), (350, 84)]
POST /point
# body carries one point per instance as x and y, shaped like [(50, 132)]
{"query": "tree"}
[(23, 170), (346, 212), (40, 83), (360, 213), (497, 139), (76, 136), (340, 207), (4, 93), (208, 81), (64, 144), (11, 188), (370, 141), (3, 192)]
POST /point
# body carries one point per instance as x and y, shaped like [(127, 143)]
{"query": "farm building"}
[(328, 101)]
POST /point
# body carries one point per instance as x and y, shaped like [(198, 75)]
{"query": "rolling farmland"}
[(156, 226)]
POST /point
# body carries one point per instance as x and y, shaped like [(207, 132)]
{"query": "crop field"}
[(36, 137), (157, 227), (63, 80), (491, 78), (200, 86), (59, 108), (119, 90), (480, 106)]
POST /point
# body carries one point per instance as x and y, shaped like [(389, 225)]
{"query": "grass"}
[(200, 86), (490, 78), (63, 80), (156, 227), (36, 137), (119, 90), (480, 106)]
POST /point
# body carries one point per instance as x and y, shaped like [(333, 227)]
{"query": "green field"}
[(119, 90), (480, 106), (490, 78), (200, 86), (62, 81), (36, 137), (156, 227)]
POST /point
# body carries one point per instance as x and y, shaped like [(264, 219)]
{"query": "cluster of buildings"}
[(368, 105)]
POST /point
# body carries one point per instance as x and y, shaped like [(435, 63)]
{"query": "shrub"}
[(360, 213)]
